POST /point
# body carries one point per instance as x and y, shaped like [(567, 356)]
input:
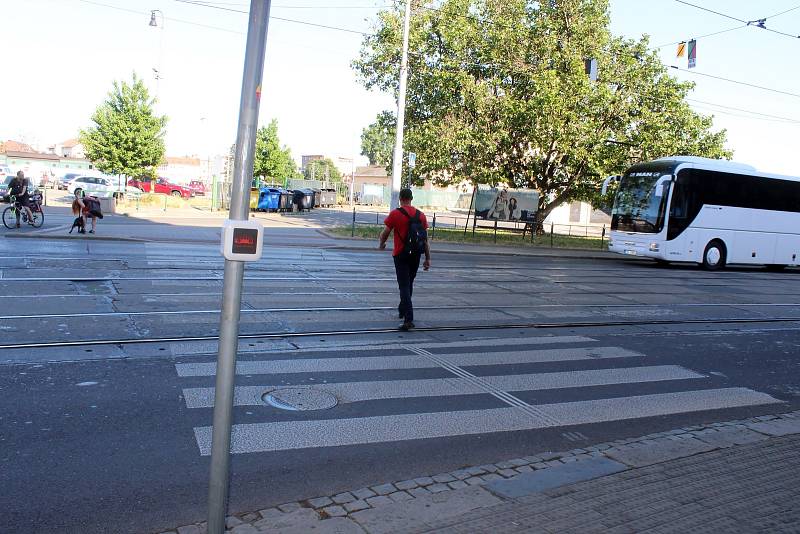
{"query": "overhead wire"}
[(273, 17), (787, 119), (757, 23), (335, 28), (692, 71)]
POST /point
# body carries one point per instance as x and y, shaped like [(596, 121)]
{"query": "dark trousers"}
[(406, 267)]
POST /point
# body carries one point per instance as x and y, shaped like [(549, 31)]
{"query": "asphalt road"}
[(113, 437)]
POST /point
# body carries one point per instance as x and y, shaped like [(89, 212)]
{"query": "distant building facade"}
[(21, 157), (183, 170)]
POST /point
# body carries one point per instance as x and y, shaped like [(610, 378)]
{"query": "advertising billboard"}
[(506, 204)]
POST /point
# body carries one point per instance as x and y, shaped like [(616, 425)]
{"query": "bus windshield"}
[(640, 203)]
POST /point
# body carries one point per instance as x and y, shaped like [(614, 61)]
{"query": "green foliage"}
[(377, 139), (127, 136), (497, 94), (271, 160), (322, 169)]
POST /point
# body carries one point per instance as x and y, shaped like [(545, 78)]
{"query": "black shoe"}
[(91, 231), (406, 326)]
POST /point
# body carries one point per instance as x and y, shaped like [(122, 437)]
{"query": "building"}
[(21, 157), (183, 170), (370, 175), (71, 148)]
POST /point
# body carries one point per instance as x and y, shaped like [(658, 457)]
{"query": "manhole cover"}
[(300, 398)]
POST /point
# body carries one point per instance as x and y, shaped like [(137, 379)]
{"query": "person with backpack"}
[(410, 229)]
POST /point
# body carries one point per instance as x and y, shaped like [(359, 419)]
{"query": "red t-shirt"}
[(399, 223)]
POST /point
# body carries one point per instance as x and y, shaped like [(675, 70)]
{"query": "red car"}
[(162, 186), (198, 187)]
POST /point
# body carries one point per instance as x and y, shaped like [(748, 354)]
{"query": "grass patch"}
[(485, 237)]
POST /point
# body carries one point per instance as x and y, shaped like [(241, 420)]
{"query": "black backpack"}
[(417, 234)]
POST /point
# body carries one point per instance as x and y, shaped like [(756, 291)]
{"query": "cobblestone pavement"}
[(747, 489), (735, 476)]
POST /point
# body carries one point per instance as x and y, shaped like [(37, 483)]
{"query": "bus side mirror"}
[(607, 182)]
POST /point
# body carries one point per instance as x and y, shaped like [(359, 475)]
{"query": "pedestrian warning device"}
[(242, 240)]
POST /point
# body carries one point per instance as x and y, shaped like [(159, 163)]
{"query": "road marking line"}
[(444, 387), (281, 436), (375, 363)]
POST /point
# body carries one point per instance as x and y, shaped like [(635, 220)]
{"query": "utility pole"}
[(397, 163), (234, 270)]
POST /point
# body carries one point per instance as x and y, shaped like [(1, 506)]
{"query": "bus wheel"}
[(776, 267), (714, 255)]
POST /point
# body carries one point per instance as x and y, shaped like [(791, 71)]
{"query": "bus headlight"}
[(653, 247)]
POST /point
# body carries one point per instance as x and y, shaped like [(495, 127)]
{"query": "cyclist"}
[(18, 188)]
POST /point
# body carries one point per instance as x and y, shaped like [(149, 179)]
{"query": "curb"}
[(628, 454)]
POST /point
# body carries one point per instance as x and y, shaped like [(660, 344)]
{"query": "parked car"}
[(4, 187), (198, 187), (100, 186), (162, 186), (63, 182), (5, 171), (5, 182)]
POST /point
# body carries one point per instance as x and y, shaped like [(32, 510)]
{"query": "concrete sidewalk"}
[(738, 476)]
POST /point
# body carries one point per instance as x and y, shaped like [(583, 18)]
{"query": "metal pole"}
[(433, 229), (471, 204), (234, 270), (551, 235), (397, 162), (353, 228), (495, 231)]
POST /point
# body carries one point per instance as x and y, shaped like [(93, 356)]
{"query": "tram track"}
[(371, 331), (387, 308)]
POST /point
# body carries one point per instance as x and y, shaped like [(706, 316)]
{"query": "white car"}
[(100, 186)]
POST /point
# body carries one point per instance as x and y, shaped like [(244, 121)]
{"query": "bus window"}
[(640, 203)]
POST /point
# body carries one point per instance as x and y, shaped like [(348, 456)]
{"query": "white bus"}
[(712, 212)]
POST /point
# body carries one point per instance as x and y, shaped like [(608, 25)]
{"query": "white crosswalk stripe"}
[(507, 388), (264, 437), (369, 363), (441, 387)]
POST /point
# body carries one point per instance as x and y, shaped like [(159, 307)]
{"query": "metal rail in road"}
[(380, 308), (506, 326)]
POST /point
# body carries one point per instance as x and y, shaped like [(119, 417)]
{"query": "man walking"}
[(410, 242)]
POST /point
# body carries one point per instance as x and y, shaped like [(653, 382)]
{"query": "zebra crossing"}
[(469, 370)]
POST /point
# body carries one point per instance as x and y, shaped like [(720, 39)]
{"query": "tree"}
[(127, 136), (271, 160), (498, 94), (377, 139), (322, 169)]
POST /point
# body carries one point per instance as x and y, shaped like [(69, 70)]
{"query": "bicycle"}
[(15, 212)]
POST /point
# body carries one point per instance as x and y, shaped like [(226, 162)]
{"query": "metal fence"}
[(471, 226)]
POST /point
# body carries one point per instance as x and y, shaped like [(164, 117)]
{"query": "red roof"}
[(69, 143), (15, 146)]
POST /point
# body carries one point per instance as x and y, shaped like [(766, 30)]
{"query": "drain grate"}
[(300, 399)]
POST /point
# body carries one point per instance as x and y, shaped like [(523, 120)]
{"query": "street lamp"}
[(154, 24)]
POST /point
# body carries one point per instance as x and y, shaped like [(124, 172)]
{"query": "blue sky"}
[(66, 53)]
